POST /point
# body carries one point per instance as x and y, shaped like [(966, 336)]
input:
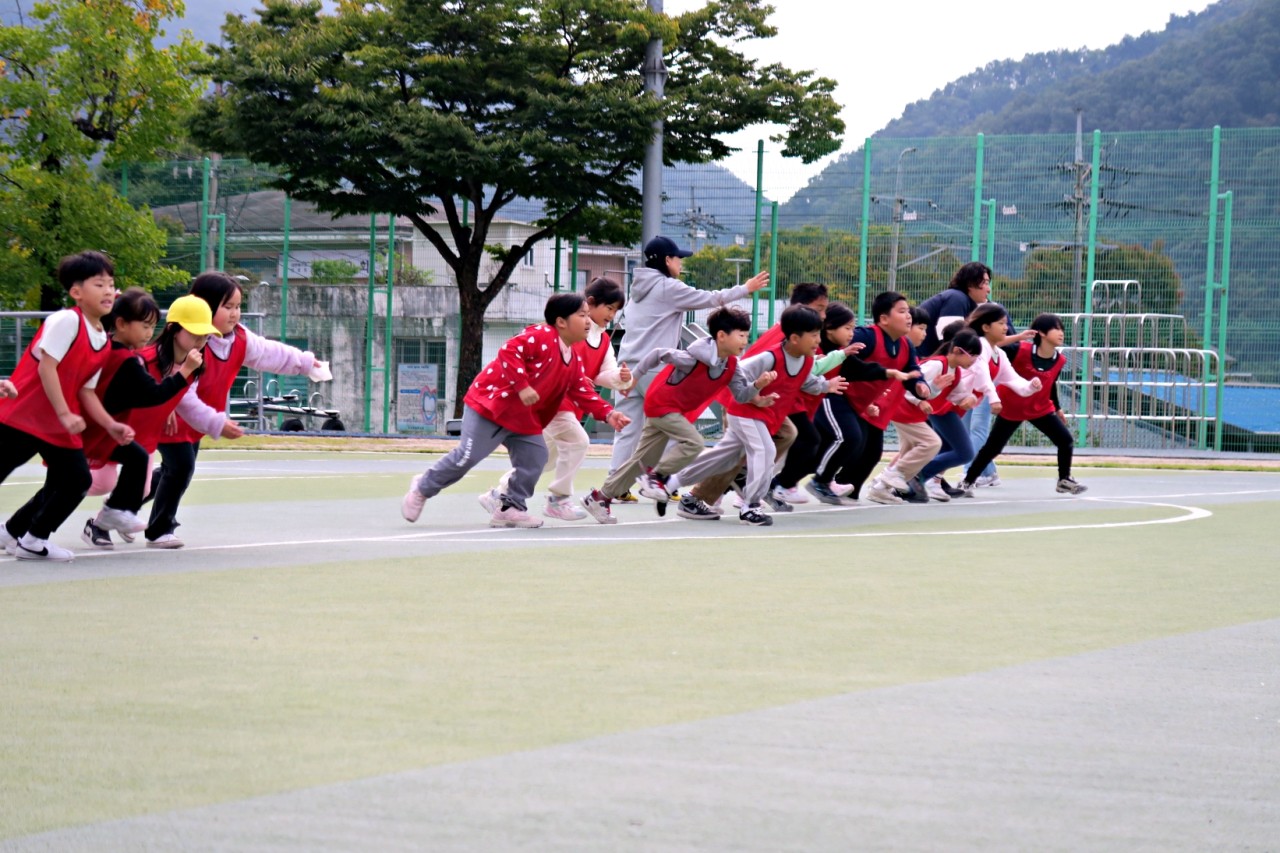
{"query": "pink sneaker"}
[(512, 517), (413, 502)]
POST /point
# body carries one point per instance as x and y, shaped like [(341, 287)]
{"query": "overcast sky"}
[(884, 56)]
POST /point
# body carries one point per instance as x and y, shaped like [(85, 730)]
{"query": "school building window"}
[(420, 351)]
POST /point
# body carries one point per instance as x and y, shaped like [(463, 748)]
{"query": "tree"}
[(85, 82), (417, 107)]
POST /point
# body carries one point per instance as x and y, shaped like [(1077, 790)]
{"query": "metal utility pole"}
[(697, 223), (896, 217), (1078, 198), (655, 78)]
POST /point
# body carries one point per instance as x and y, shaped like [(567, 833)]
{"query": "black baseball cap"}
[(664, 247)]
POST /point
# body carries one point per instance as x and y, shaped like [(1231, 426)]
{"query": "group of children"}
[(812, 397), (95, 397)]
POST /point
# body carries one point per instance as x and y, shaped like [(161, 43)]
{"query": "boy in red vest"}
[(566, 440), (510, 403), (750, 427), (54, 382), (677, 396)]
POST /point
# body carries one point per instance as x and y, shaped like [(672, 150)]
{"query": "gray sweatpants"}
[(627, 439), (742, 437), (480, 437)]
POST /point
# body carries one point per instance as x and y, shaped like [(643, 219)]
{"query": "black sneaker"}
[(823, 492), (753, 516), (953, 491), (916, 493), (691, 507), (96, 536)]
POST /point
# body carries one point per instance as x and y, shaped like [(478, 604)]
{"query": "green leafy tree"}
[(417, 107), (85, 81), (333, 272)]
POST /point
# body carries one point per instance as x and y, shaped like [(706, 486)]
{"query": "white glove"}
[(319, 372)]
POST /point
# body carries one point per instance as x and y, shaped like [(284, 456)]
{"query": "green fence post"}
[(1086, 388), (368, 323), (755, 260), (977, 197), (387, 348), (1222, 318), (864, 231), (573, 267), (559, 251), (284, 268), (204, 218), (991, 232), (773, 262)]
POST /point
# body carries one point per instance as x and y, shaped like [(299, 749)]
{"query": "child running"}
[(510, 403), (203, 411), (678, 395), (566, 440), (917, 442), (51, 386), (992, 370), (948, 367), (840, 434), (140, 385), (750, 426), (886, 344), (1040, 360)]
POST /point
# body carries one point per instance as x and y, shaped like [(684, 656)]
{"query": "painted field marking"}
[(1188, 513)]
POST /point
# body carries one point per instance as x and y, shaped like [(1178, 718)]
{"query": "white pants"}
[(567, 444), (742, 437)]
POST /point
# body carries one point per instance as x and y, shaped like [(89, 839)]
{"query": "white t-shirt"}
[(60, 330)]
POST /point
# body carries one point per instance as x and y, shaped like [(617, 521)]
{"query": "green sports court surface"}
[(1023, 670)]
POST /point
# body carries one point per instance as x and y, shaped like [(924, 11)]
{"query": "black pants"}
[(859, 468), (1002, 430), (131, 479), (169, 484), (802, 455), (841, 437), (66, 482)]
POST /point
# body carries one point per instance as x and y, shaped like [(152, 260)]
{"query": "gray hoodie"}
[(655, 311)]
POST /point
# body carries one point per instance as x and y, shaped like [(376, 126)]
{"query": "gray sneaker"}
[(776, 503), (1069, 486), (754, 516)]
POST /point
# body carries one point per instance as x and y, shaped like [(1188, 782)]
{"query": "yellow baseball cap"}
[(192, 313)]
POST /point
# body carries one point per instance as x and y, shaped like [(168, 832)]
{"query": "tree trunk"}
[(472, 304)]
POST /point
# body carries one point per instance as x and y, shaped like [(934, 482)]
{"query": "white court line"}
[(1189, 513)]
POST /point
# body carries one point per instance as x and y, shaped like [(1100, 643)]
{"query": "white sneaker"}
[(512, 517), (935, 490), (881, 493), (988, 480), (491, 500), (7, 541), (410, 506), (891, 478), (167, 541), (793, 495), (119, 519), (840, 490), (563, 508), (31, 548)]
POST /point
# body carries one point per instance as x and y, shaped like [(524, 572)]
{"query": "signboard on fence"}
[(416, 395)]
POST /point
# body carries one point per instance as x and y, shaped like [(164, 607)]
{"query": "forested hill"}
[(1220, 66)]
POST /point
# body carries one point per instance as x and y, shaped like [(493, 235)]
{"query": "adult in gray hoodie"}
[(654, 316)]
